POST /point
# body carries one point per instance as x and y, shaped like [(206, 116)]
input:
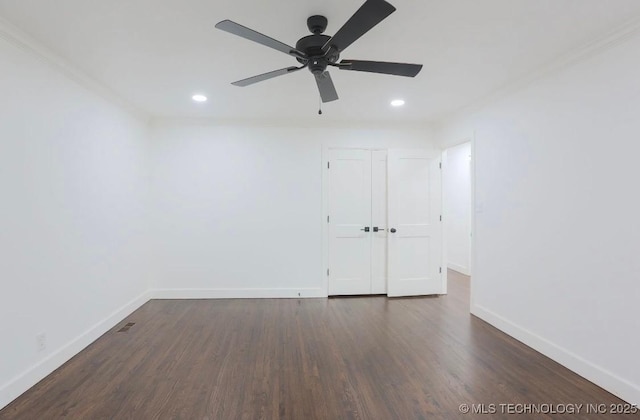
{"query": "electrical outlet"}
[(41, 342)]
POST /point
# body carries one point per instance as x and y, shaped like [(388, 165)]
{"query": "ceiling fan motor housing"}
[(312, 45)]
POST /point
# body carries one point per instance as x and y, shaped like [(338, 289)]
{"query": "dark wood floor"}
[(364, 358)]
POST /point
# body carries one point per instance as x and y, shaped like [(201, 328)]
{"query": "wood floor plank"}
[(339, 358)]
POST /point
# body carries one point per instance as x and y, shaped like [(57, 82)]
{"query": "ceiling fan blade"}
[(251, 35), (369, 15), (265, 76), (326, 87), (397, 69)]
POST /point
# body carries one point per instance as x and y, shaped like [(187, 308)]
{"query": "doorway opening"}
[(458, 191)]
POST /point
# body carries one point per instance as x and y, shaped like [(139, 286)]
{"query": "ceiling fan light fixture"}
[(199, 98), (397, 103)]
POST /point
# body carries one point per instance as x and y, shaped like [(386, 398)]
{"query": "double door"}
[(384, 222)]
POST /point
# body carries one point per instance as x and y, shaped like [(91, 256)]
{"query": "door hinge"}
[(440, 165), (327, 219), (441, 218), (440, 270), (327, 271), (328, 165)]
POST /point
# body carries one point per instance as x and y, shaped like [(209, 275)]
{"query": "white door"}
[(415, 228), (379, 222), (349, 205)]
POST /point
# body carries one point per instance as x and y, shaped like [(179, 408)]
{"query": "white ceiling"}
[(157, 53)]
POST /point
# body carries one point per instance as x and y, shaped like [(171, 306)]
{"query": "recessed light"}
[(397, 102), (199, 98)]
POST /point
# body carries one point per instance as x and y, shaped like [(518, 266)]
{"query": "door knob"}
[(392, 230), (366, 229)]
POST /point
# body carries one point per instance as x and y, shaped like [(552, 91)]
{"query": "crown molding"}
[(604, 42), (20, 40)]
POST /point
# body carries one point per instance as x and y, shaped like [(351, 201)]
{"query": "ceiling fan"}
[(316, 52)]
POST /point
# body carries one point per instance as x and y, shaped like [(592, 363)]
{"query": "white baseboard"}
[(603, 378), (18, 385), (459, 268), (236, 293)]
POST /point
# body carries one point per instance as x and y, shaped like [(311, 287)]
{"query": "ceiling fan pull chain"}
[(319, 105)]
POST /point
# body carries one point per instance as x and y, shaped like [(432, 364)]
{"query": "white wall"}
[(557, 226), (456, 180), (72, 182), (238, 209)]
